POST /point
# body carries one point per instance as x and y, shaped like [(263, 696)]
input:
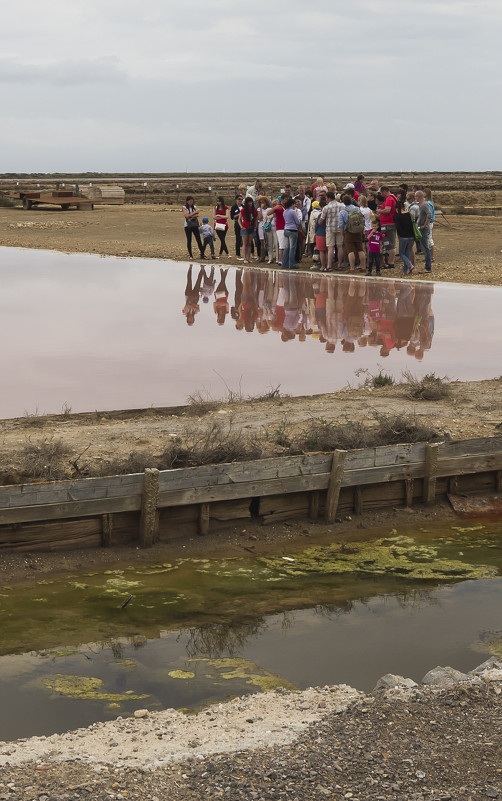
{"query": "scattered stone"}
[(444, 676)]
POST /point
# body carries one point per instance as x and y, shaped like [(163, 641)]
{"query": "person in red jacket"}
[(386, 214)]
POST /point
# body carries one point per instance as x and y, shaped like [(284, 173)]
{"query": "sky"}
[(269, 85)]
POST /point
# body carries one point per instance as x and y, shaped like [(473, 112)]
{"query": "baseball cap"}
[(349, 186), (205, 220)]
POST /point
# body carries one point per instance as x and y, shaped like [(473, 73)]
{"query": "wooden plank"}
[(149, 521), (385, 455), (460, 465), (75, 490), (431, 466), (107, 530), (61, 511), (335, 482), (471, 447), (244, 472), (204, 513)]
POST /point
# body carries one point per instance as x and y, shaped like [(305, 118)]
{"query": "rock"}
[(492, 675), (141, 713), (490, 663), (390, 682), (444, 676)]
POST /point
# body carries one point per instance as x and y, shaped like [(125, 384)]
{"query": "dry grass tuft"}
[(430, 387), (47, 459)]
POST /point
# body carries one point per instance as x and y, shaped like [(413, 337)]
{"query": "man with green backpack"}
[(351, 224)]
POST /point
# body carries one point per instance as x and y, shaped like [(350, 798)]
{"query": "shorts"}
[(247, 232), (280, 239), (389, 240), (334, 238), (353, 243), (320, 243)]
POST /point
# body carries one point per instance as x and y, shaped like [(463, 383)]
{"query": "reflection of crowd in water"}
[(330, 309)]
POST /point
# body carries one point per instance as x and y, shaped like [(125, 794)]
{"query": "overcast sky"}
[(213, 85)]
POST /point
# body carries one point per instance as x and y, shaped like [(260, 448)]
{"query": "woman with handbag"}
[(191, 214), (406, 234), (248, 218), (220, 212)]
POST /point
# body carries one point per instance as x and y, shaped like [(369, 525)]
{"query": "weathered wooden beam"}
[(430, 473), (107, 530), (149, 521), (204, 510), (453, 485), (335, 482)]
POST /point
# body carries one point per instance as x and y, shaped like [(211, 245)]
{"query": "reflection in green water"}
[(193, 630)]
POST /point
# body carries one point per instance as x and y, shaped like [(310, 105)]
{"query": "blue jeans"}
[(405, 247), (426, 233), (288, 257)]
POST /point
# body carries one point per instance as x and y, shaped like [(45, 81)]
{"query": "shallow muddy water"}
[(91, 332), (200, 631)]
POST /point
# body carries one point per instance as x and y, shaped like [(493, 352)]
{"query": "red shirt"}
[(279, 218), (387, 210)]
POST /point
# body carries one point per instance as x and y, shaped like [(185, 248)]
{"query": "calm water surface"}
[(107, 333), (200, 631)]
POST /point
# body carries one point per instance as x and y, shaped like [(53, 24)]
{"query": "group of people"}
[(356, 229), (330, 309)]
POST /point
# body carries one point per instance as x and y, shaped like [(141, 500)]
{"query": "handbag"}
[(220, 227), (417, 233), (267, 226), (193, 222)]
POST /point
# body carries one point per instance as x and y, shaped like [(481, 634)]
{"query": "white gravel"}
[(247, 723)]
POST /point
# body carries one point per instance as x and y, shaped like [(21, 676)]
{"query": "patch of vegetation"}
[(85, 687), (382, 380), (384, 429), (47, 459), (430, 387), (201, 403)]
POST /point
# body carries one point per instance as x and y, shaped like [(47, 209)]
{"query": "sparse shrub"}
[(47, 459), (217, 442), (382, 380), (430, 387), (200, 403)]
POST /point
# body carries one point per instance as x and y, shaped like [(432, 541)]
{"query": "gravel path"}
[(416, 743)]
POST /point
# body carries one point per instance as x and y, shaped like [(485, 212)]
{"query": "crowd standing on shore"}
[(353, 230)]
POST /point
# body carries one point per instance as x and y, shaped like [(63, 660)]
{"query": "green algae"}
[(243, 670), (85, 687), (490, 642), (391, 556), (181, 674)]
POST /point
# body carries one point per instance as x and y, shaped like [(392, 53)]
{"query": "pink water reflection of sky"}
[(109, 333)]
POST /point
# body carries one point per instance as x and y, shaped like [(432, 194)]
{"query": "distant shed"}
[(109, 195)]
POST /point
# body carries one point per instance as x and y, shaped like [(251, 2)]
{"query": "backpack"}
[(355, 223)]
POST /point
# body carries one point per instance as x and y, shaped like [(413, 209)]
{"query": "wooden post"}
[(453, 485), (498, 481), (106, 530), (431, 466), (204, 518), (149, 522), (358, 500), (314, 505), (335, 482), (408, 482)]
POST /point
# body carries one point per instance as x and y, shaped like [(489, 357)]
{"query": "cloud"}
[(103, 70)]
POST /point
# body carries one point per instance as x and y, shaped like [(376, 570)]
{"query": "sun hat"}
[(315, 204)]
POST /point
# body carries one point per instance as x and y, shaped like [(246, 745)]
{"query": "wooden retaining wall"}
[(146, 507)]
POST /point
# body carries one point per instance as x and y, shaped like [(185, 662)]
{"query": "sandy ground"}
[(468, 248)]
